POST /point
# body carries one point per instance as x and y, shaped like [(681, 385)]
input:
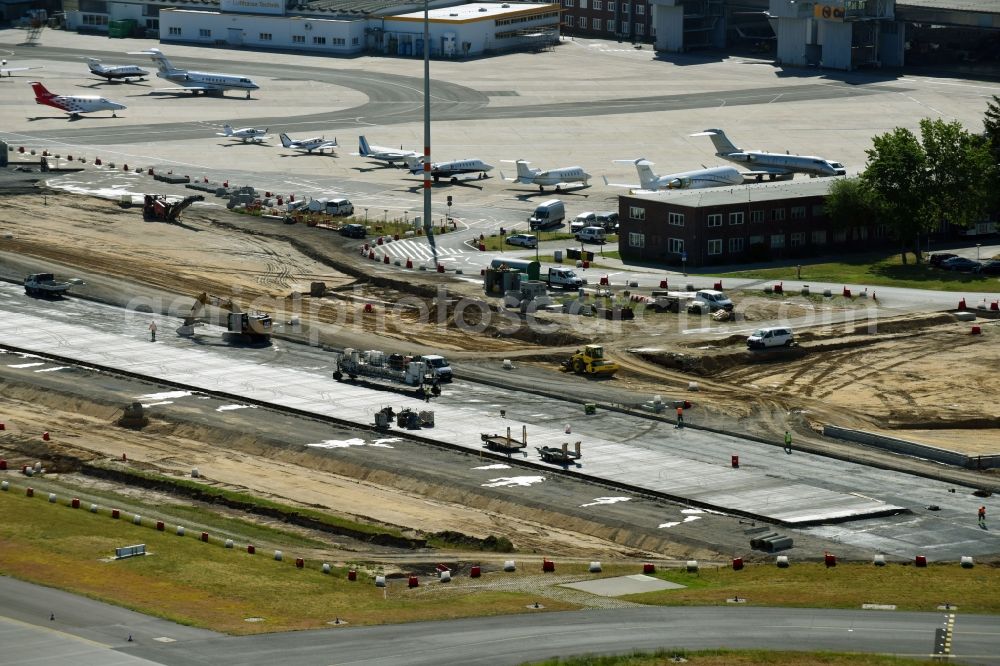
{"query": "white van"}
[(550, 213), (771, 337), (588, 219), (339, 207), (591, 235)]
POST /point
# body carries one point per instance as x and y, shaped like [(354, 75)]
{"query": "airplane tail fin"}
[(161, 60), (523, 171), (723, 146), (363, 148), (647, 178), (94, 64), (41, 92), (414, 164), (285, 141), (227, 130)]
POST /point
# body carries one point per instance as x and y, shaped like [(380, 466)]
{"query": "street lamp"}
[(978, 245), (366, 216), (385, 220)]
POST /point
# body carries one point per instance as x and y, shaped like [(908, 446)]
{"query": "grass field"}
[(879, 271), (737, 658)]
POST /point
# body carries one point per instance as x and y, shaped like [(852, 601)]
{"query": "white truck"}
[(704, 300), (379, 366), (45, 284), (564, 278), (437, 364)]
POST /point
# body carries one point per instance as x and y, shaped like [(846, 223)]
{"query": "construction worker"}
[(680, 416), (788, 442), (152, 331), (982, 517)]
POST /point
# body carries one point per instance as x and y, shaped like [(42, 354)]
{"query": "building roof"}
[(737, 194), (975, 6), (352, 7), (477, 11)]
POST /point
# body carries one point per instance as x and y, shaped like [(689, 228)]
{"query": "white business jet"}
[(772, 165), (685, 180), (244, 134), (197, 82), (383, 154), (113, 72), (5, 70), (74, 105), (451, 169), (557, 178), (308, 145)]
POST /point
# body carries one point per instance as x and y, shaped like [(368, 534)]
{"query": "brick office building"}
[(629, 20), (757, 222)]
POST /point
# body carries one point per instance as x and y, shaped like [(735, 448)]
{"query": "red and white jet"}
[(74, 105)]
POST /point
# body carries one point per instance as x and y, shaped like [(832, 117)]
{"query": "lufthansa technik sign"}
[(275, 7)]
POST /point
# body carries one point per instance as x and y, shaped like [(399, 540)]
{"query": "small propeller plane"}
[(244, 134), (74, 105), (451, 170), (113, 72), (308, 145), (4, 69), (383, 154)]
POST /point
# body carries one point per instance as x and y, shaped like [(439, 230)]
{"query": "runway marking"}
[(42, 627)]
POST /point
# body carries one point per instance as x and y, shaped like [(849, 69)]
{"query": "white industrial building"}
[(336, 27)]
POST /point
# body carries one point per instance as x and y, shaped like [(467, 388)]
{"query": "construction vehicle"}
[(253, 327), (44, 284), (133, 416), (159, 207), (385, 368), (590, 361), (559, 456)]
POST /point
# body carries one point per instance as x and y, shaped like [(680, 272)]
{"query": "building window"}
[(319, 40), (636, 213), (639, 28), (798, 239), (715, 220), (798, 212), (675, 219), (569, 3), (880, 231), (778, 214), (595, 24), (175, 31), (860, 233), (840, 236), (96, 19), (636, 240), (675, 245), (625, 8), (204, 32), (715, 246), (640, 9), (338, 41), (736, 245), (598, 5), (583, 4), (265, 36), (819, 238), (298, 39), (736, 218), (569, 21), (778, 240), (610, 25), (819, 210), (354, 41), (756, 216), (152, 24)]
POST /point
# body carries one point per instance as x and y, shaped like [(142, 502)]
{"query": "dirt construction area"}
[(917, 376)]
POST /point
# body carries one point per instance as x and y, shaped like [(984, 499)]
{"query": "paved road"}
[(89, 633)]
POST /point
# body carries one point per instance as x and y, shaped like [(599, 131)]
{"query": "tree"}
[(896, 175), (991, 127), (850, 202), (960, 168)]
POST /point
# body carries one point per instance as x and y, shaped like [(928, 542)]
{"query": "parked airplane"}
[(4, 69), (308, 145), (451, 169), (244, 134), (686, 180), (74, 105), (124, 72), (557, 178), (197, 82), (772, 165), (383, 154)]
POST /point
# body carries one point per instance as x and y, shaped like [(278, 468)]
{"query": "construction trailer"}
[(559, 456)]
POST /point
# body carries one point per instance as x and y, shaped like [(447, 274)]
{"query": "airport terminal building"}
[(336, 27)]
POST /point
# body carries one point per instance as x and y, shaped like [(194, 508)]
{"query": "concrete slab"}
[(622, 585), (666, 471)]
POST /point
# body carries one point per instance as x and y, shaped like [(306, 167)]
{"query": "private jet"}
[(686, 180), (4, 69), (116, 72), (308, 145), (209, 83), (772, 165), (557, 178), (383, 154), (74, 105), (244, 134), (451, 169)]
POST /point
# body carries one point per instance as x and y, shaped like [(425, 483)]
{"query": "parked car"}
[(524, 240), (608, 220), (771, 337), (353, 231), (939, 257), (591, 235), (991, 267), (960, 264)]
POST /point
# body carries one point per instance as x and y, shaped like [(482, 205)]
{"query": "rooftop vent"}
[(452, 14)]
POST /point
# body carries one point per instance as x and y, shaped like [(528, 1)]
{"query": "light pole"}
[(978, 245), (366, 216), (385, 220), (428, 224)]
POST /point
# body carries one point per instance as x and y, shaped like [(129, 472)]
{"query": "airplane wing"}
[(768, 171), (8, 70), (628, 185)]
